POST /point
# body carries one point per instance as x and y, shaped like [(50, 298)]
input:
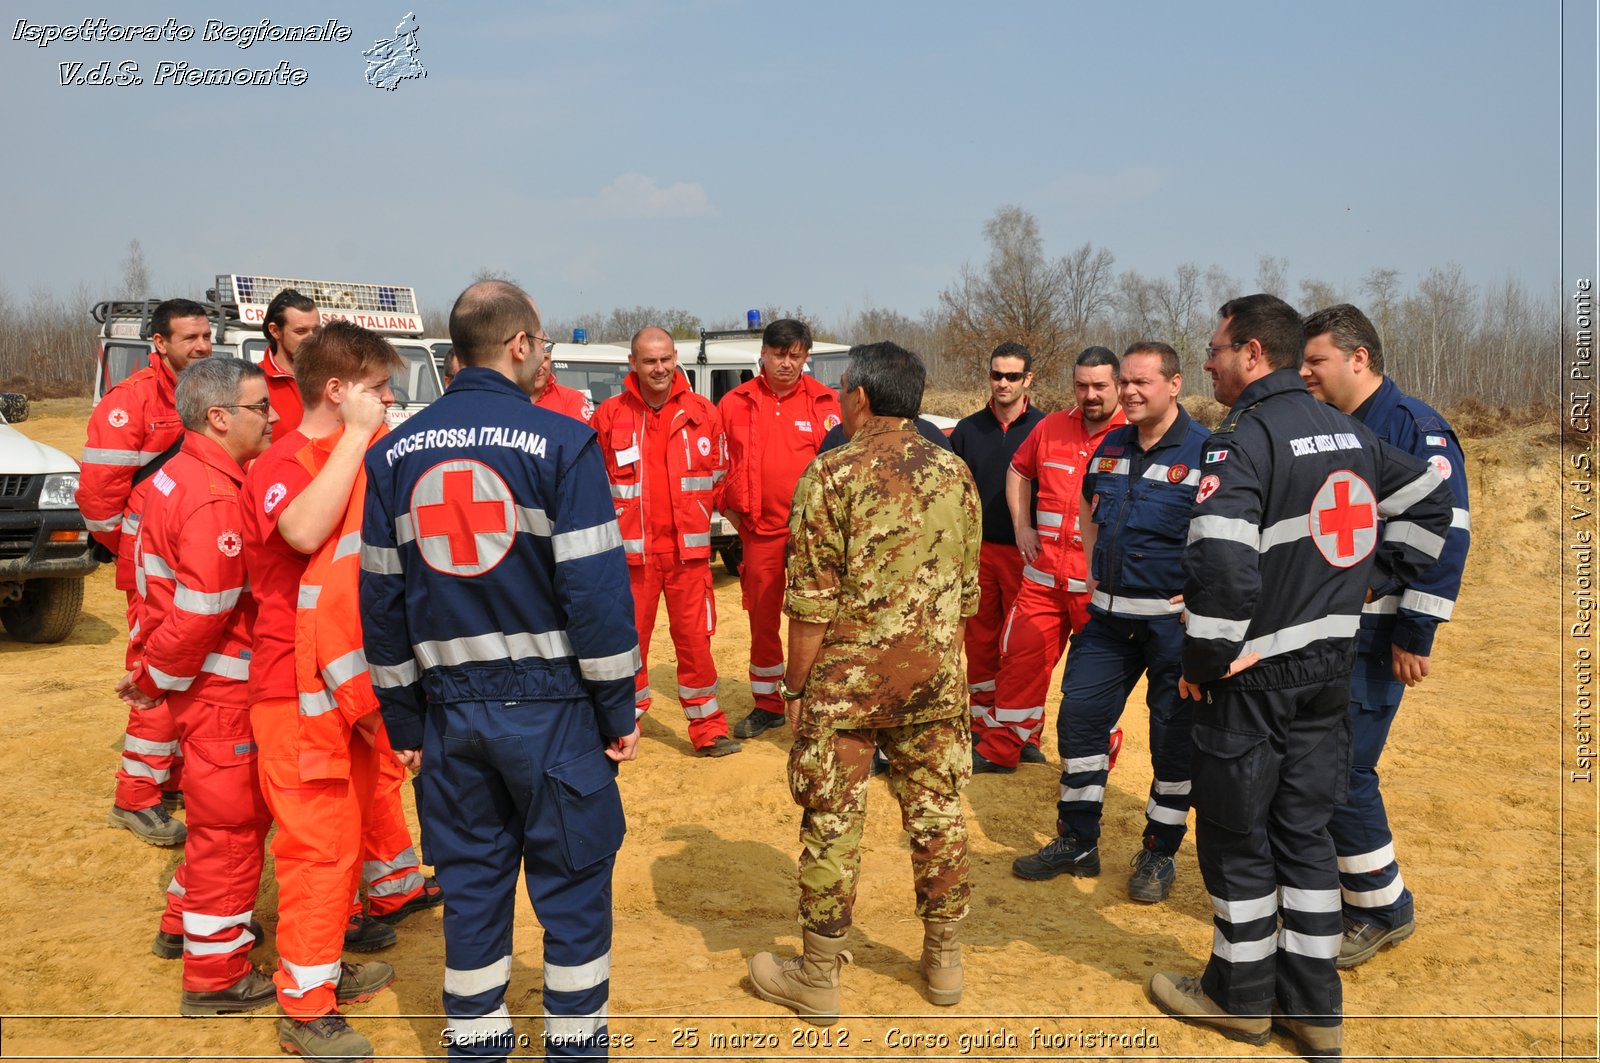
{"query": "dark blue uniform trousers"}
[(1105, 662), (512, 785), (1269, 767), (1369, 875)]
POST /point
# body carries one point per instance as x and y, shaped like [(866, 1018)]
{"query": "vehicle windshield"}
[(417, 381), (597, 380), (828, 368)]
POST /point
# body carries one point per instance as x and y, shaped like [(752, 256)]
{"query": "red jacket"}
[(196, 616), (283, 392), (765, 435), (562, 399), (1055, 456), (697, 458), (134, 423)]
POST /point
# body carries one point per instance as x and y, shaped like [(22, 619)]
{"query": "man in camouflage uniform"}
[(882, 574)]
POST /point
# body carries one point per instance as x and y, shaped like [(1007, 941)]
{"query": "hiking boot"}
[(1313, 1042), (807, 984), (1182, 998), (324, 1039), (982, 765), (720, 746), (151, 825), (1363, 940), (759, 720), (170, 946), (941, 962), (1153, 872), (1064, 852), (365, 934), (360, 982), (1032, 754), (431, 897), (254, 990), (172, 800)]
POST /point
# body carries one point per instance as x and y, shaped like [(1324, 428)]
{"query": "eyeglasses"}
[(545, 343), (995, 374), (1212, 350), (260, 407)]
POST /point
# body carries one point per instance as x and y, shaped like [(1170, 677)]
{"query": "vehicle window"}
[(725, 380), (597, 380), (255, 350), (828, 368), (416, 381), (122, 361)]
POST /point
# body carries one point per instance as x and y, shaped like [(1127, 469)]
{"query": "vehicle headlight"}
[(60, 491)]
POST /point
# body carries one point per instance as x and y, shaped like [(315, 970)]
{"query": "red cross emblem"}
[(462, 514), (1344, 519)]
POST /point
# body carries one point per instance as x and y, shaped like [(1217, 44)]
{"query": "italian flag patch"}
[(1214, 456)]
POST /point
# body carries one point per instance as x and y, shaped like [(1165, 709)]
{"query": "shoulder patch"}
[(274, 495), (117, 418), (830, 422), (1177, 472), (1218, 455), (1436, 441), (1208, 487), (230, 543)]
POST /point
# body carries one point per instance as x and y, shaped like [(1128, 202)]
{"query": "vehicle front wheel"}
[(47, 611)]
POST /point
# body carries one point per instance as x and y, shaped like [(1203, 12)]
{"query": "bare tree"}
[(1272, 275), (1087, 288), (1318, 294), (484, 273), (135, 273)]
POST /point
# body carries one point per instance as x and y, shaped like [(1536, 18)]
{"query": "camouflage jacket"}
[(884, 538)]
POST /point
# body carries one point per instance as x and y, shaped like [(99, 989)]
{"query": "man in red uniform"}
[(313, 790), (290, 319), (1053, 601), (553, 395), (192, 652), (664, 452), (775, 424), (131, 432)]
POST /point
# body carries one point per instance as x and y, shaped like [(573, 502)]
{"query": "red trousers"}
[(389, 864), (151, 757), (692, 619), (999, 580), (761, 580), (1035, 635), (213, 891)]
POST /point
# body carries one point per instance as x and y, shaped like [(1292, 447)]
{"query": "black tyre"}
[(14, 406), (48, 610), (732, 557)]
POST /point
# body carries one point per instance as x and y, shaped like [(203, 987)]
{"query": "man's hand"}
[(1409, 668), (410, 759), (624, 748), (132, 696), (1028, 543), (362, 409), (1187, 689)]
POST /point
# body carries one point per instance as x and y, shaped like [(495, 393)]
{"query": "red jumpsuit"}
[(663, 467), (562, 399), (1053, 600), (771, 440), (283, 391), (135, 423), (194, 648)]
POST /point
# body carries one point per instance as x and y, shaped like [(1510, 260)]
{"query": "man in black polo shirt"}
[(986, 441)]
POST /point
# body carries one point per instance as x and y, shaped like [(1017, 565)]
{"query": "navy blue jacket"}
[(987, 448), (491, 565), (1139, 501)]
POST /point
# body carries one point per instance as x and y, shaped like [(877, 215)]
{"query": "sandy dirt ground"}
[(1497, 845)]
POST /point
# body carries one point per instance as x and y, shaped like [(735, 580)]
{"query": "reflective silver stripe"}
[(690, 541), (1229, 529), (980, 688), (1387, 604), (1363, 863), (1022, 733), (1210, 627), (718, 475), (573, 1027), (1135, 606), (1379, 898), (633, 546), (494, 646), (227, 667), (147, 748), (156, 565), (104, 525), (205, 926), (1243, 911), (1302, 900), (767, 670), (176, 888), (130, 524), (471, 982), (348, 545), (757, 687), (1174, 788), (1460, 518), (1404, 531), (202, 604), (1074, 765), (1077, 586), (408, 883), (143, 770), (1288, 530), (1332, 626), (1172, 817), (625, 491), (108, 456), (1032, 712), (1050, 520), (697, 692), (316, 702), (165, 681), (1410, 494), (698, 483), (638, 712), (704, 710), (1096, 794), (372, 870), (483, 1028), (617, 666), (1119, 467), (1431, 604), (578, 978), (1317, 946), (336, 673), (308, 977), (1164, 472), (1243, 951), (641, 695), (1032, 574), (533, 521), (381, 560), (307, 598), (217, 948), (390, 676), (586, 542)]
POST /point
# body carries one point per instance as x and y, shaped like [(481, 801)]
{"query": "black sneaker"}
[(431, 897), (1153, 872), (365, 934), (1064, 852), (170, 946), (720, 746), (759, 720), (982, 765), (1032, 754)]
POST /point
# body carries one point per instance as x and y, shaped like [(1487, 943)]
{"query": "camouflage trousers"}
[(828, 773)]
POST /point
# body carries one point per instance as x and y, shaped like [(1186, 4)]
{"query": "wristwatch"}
[(789, 695)]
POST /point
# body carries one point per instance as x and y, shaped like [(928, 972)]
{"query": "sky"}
[(716, 155)]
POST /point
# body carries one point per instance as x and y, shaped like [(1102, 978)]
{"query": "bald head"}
[(650, 334), (488, 314)]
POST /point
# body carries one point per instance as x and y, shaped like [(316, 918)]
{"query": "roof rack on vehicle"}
[(130, 318)]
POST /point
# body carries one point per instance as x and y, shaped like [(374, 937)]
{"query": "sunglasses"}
[(995, 374)]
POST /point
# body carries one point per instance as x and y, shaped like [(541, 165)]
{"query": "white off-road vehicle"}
[(44, 547)]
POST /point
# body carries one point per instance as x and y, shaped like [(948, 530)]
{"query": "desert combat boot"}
[(809, 983), (941, 962)]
